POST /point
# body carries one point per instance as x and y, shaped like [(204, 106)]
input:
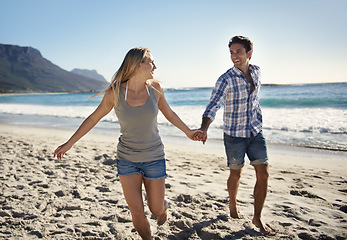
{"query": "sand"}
[(80, 196)]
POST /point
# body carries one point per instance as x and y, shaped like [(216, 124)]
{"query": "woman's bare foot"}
[(162, 218), (264, 229)]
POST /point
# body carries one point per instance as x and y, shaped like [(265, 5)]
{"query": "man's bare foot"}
[(162, 218), (234, 213), (264, 229)]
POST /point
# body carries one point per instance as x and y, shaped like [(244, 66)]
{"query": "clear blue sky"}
[(295, 41)]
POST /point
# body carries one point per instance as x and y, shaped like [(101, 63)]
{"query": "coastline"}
[(36, 93), (81, 197), (321, 127)]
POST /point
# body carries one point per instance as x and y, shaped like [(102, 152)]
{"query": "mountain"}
[(93, 74), (23, 69)]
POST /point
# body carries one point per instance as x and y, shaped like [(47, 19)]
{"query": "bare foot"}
[(264, 229), (233, 212), (162, 218)]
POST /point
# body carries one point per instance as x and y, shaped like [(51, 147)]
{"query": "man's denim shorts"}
[(236, 148), (149, 170)]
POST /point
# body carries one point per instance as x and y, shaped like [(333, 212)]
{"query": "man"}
[(238, 89)]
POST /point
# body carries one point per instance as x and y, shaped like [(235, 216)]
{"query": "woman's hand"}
[(200, 136), (194, 134), (61, 150)]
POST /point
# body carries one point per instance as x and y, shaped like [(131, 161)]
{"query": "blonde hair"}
[(127, 69)]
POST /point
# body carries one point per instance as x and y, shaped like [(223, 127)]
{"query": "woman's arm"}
[(171, 116), (103, 109)]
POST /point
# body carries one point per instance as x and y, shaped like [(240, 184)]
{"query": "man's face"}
[(239, 56)]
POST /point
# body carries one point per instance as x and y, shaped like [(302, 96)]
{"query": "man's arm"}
[(205, 124), (212, 107)]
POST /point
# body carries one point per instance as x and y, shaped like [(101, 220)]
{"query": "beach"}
[(80, 196)]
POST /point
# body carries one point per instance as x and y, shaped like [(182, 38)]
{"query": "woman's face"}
[(147, 67)]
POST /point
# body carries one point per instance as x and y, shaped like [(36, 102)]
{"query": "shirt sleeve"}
[(217, 96)]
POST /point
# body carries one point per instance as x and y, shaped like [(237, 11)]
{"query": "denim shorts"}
[(236, 148), (150, 170)]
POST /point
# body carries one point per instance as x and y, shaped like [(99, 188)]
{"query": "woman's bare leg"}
[(132, 189), (155, 189)]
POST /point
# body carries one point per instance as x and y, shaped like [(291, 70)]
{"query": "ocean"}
[(312, 115)]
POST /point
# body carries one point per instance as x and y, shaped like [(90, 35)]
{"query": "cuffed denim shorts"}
[(236, 148), (150, 170)]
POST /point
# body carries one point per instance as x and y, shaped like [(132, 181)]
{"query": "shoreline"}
[(322, 126), (43, 93), (176, 139)]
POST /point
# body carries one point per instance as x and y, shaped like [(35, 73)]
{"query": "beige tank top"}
[(139, 140)]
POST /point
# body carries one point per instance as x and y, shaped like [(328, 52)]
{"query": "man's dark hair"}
[(243, 40)]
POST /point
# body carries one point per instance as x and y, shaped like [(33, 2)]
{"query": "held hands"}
[(198, 135), (201, 135), (61, 150)]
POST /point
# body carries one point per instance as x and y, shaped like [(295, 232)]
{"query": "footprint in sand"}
[(186, 198), (343, 209), (304, 194), (287, 172), (316, 223)]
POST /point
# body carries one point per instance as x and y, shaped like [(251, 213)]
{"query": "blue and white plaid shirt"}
[(242, 113)]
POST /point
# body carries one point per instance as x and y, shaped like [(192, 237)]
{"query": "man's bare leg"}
[(233, 186), (260, 192)]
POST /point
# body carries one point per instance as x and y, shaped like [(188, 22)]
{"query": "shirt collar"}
[(239, 72)]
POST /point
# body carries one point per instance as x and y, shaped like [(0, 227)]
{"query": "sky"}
[(295, 41)]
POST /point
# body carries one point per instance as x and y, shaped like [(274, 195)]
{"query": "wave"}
[(322, 120), (189, 89), (312, 102), (310, 127)]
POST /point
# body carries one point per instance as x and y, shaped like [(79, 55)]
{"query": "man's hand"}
[(201, 136)]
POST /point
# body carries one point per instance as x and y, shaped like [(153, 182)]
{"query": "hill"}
[(93, 74), (23, 69)]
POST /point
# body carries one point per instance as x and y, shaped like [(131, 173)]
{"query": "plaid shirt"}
[(242, 114)]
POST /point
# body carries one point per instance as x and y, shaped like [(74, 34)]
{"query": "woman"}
[(136, 98)]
